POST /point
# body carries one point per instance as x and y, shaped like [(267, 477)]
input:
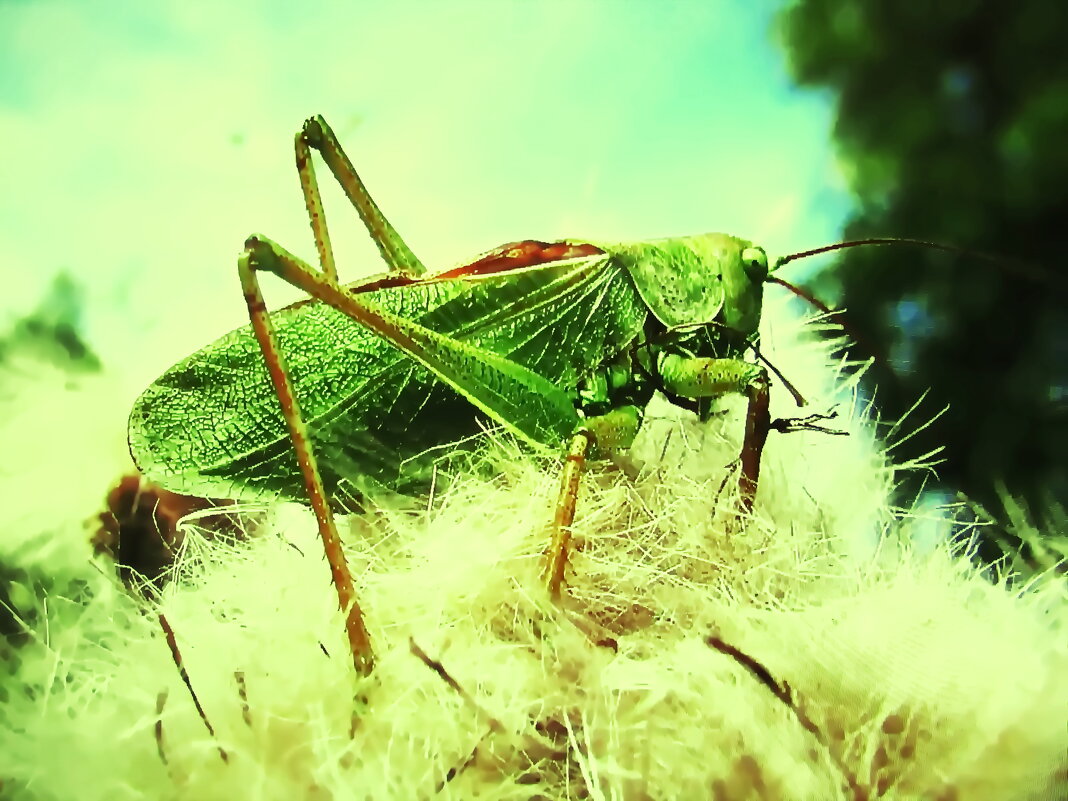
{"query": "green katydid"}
[(562, 344)]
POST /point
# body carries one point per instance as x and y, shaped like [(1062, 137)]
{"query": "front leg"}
[(694, 377)]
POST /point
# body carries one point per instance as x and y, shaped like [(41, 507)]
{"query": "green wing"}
[(211, 425)]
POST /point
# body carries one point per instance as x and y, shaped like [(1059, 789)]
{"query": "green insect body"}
[(561, 344), (587, 335)]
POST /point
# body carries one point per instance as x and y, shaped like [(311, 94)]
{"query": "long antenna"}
[(1031, 271)]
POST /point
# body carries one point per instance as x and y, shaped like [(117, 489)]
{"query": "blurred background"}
[(949, 124), (144, 142)]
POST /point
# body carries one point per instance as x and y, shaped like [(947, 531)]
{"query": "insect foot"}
[(811, 422)]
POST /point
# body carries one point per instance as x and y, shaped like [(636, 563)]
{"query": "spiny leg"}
[(359, 640), (757, 426), (316, 134), (514, 396), (706, 377), (176, 657), (313, 202), (564, 516), (608, 432)]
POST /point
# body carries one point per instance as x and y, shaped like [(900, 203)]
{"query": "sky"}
[(144, 141)]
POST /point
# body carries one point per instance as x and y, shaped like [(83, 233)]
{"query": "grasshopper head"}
[(740, 268), (708, 278)]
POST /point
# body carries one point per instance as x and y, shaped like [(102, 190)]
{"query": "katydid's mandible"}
[(562, 344)]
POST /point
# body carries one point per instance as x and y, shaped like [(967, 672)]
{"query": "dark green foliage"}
[(952, 121)]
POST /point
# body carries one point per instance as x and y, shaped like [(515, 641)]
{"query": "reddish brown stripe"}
[(515, 255), (385, 282)]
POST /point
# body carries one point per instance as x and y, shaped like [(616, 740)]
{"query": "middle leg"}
[(608, 432)]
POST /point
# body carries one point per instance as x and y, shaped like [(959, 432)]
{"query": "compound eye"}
[(755, 262)]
